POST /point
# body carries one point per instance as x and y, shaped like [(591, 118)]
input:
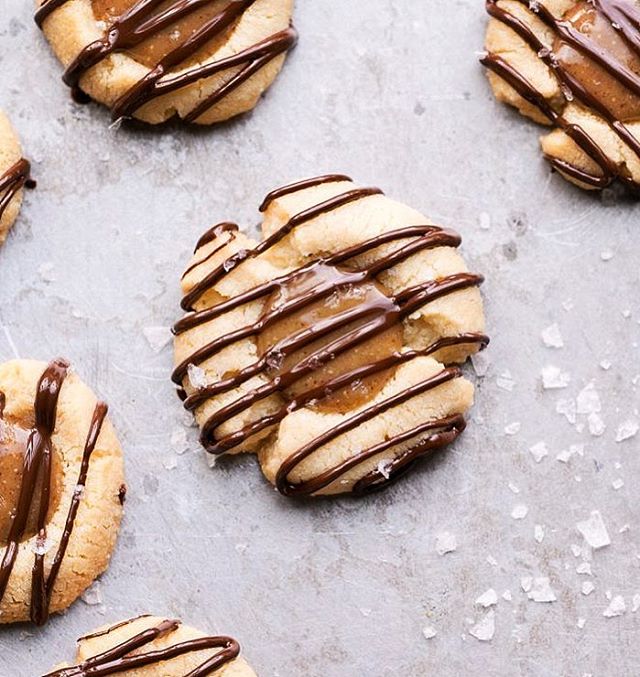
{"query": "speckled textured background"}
[(391, 93)]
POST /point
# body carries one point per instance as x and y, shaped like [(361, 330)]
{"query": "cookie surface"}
[(61, 489), (14, 173), (573, 65), (204, 61), (323, 348), (151, 646)]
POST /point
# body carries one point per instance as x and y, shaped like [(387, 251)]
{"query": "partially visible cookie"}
[(14, 173), (61, 489), (203, 61), (152, 646), (573, 65), (328, 347)]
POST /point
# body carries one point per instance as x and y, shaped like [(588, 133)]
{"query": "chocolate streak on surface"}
[(12, 181), (626, 20), (142, 21), (37, 463), (377, 317), (120, 658)]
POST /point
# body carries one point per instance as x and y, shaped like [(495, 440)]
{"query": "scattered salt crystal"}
[(197, 377), (505, 381), (485, 221), (605, 364), (576, 550), (588, 587), (480, 363), (485, 629), (635, 603), (617, 484), (594, 531), (179, 442), (47, 272), (538, 533), (606, 255), (567, 408), (512, 428), (93, 595), (581, 622), (539, 451), (41, 546), (170, 462), (552, 338), (584, 568), (514, 488), (488, 598), (519, 511), (541, 591), (526, 583), (627, 430), (157, 337), (624, 528), (429, 632), (492, 561), (506, 595), (617, 607), (446, 542), (384, 468), (626, 314), (588, 400), (596, 425), (553, 378), (565, 455), (212, 460)]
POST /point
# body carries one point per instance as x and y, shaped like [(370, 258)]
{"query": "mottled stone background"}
[(391, 93)]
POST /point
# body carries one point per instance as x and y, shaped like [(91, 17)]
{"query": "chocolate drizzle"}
[(122, 659), (12, 181), (37, 467), (624, 18), (144, 20), (329, 275)]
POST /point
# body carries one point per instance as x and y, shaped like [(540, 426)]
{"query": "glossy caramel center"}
[(13, 446), (597, 80), (165, 38), (380, 346)]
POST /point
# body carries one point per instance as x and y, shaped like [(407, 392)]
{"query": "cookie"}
[(61, 489), (573, 65), (329, 347), (14, 174), (152, 646), (204, 61)]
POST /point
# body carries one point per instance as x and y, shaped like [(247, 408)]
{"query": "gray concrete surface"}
[(391, 93)]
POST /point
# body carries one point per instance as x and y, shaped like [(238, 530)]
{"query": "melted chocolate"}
[(37, 468), (579, 74), (12, 181), (122, 659), (147, 18), (339, 334)]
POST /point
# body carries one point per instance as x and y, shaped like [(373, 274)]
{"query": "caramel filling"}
[(152, 50), (13, 445), (383, 344), (598, 81)]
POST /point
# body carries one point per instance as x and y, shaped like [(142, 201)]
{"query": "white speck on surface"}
[(484, 221), (492, 561), (384, 468), (157, 337), (519, 511), (429, 632), (594, 531), (617, 607), (485, 629), (635, 603), (514, 488), (567, 407), (605, 364), (627, 430), (197, 377), (481, 363), (617, 483), (541, 591), (584, 568), (596, 424), (539, 451), (606, 255), (446, 542), (512, 428), (488, 598), (93, 595), (47, 271), (179, 442), (566, 454), (588, 587), (506, 595), (552, 337), (588, 400), (581, 622), (553, 378), (170, 462), (526, 583), (538, 533), (505, 381)]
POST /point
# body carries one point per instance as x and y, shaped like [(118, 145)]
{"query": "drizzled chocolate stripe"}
[(373, 317), (12, 181), (37, 465), (624, 17), (144, 20), (121, 658)]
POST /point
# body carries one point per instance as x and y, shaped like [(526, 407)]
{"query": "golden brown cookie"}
[(61, 489), (150, 646), (14, 173), (200, 60), (327, 347), (573, 65)]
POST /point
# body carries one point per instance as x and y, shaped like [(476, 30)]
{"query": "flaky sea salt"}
[(552, 337), (566, 454), (596, 425), (429, 632), (519, 511), (541, 591), (539, 451), (485, 629), (588, 400), (567, 407), (446, 542), (506, 595), (617, 483), (635, 603), (617, 607), (197, 377), (553, 378), (627, 430), (157, 337), (488, 598), (538, 533), (588, 587), (512, 428), (93, 595), (179, 442), (594, 531), (584, 568), (505, 381)]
